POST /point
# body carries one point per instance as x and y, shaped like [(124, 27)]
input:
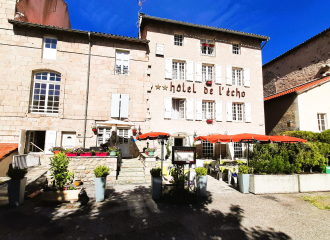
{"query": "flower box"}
[(205, 44), (88, 154), (209, 121), (211, 45), (68, 154), (101, 154), (209, 83)]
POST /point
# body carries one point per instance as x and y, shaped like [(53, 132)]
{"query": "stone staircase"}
[(132, 172)]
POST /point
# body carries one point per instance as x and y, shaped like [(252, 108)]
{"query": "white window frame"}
[(238, 150), (182, 108), (237, 76), (45, 79), (178, 70), (237, 112), (207, 51), (49, 48), (207, 110), (322, 127), (178, 39), (122, 69), (236, 49), (207, 72), (102, 132)]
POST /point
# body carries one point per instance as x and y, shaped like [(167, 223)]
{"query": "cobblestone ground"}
[(129, 213)]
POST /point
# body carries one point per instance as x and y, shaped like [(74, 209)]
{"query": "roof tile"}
[(6, 149)]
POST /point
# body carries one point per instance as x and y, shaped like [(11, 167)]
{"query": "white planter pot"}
[(314, 182), (244, 182), (261, 184), (202, 185), (16, 190), (156, 186), (100, 185)]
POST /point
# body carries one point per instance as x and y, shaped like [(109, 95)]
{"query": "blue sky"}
[(287, 23)]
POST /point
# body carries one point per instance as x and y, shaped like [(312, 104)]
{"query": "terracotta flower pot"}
[(56, 152)]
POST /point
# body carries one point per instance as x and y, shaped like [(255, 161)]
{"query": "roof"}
[(264, 38), (69, 30), (296, 47), (301, 88), (6, 149)]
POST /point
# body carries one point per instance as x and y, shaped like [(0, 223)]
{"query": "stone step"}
[(132, 166), (131, 178), (131, 174), (130, 182), (131, 170)]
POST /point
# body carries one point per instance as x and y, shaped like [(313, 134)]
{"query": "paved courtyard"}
[(130, 213)]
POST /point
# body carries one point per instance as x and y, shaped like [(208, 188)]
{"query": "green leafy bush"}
[(178, 176), (59, 170), (244, 169), (200, 171), (155, 172), (101, 171), (16, 173)]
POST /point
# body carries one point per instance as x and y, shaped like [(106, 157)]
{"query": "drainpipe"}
[(87, 87)]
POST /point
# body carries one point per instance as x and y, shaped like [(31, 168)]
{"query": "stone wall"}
[(83, 168)]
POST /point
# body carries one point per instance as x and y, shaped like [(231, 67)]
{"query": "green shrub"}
[(244, 169), (178, 176), (200, 171), (16, 173), (59, 170), (156, 172), (168, 151), (101, 171)]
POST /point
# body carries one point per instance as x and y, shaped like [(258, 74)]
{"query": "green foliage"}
[(168, 151), (178, 176), (200, 171), (155, 172), (59, 170), (244, 169), (16, 173), (101, 171)]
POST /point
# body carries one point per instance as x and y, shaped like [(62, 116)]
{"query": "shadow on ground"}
[(130, 214)]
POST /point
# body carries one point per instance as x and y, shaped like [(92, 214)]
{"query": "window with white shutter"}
[(237, 112), (246, 77), (229, 109), (248, 114), (115, 101), (190, 109), (122, 63), (198, 109), (207, 110), (218, 111), (124, 105), (49, 48), (120, 105), (178, 70), (237, 77), (178, 109), (167, 107), (207, 72), (218, 74), (198, 72), (190, 71), (50, 141), (168, 68), (229, 80)]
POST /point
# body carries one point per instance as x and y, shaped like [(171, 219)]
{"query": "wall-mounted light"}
[(140, 130), (289, 123), (195, 134)]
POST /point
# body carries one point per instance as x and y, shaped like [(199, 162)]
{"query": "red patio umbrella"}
[(152, 136), (205, 138), (286, 139)]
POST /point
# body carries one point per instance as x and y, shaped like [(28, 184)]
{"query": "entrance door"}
[(178, 142), (124, 141), (68, 140)]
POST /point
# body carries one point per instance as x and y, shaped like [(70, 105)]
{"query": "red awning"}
[(152, 135), (204, 138), (244, 137), (287, 139)]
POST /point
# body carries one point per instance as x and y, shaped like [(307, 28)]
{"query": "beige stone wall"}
[(299, 66)]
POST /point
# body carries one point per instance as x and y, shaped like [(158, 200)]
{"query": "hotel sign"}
[(183, 155)]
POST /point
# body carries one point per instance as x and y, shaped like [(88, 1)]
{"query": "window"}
[(178, 40), (103, 135), (207, 73), (321, 121), (207, 110), (178, 71), (236, 48), (178, 109), (238, 112), (122, 63), (49, 49), (237, 77), (207, 47), (46, 92), (207, 149), (238, 150)]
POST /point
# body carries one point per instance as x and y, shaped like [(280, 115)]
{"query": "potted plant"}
[(156, 182), (205, 44), (201, 174), (209, 120), (211, 45), (244, 178), (101, 153), (114, 151), (86, 153), (56, 150), (94, 129), (134, 130), (151, 151), (16, 185), (209, 82), (101, 173), (72, 152)]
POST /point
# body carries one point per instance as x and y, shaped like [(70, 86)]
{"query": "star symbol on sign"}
[(165, 87), (157, 87)]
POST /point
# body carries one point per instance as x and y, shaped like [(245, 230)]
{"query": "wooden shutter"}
[(199, 109), (126, 60), (124, 105), (246, 77), (190, 109), (50, 141), (168, 107), (229, 111), (247, 112), (168, 68), (198, 72), (160, 49), (229, 75), (22, 137), (218, 111), (115, 105), (218, 74), (190, 71)]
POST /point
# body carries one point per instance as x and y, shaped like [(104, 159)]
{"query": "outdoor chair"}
[(212, 167)]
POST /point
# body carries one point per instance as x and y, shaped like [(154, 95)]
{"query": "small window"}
[(238, 112), (178, 70), (122, 63), (207, 149), (207, 110), (178, 109), (49, 48), (321, 119), (236, 48), (207, 72), (238, 150), (237, 77), (178, 40), (207, 47)]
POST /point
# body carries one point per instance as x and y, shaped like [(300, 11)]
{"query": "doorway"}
[(124, 141), (35, 141), (178, 142)]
